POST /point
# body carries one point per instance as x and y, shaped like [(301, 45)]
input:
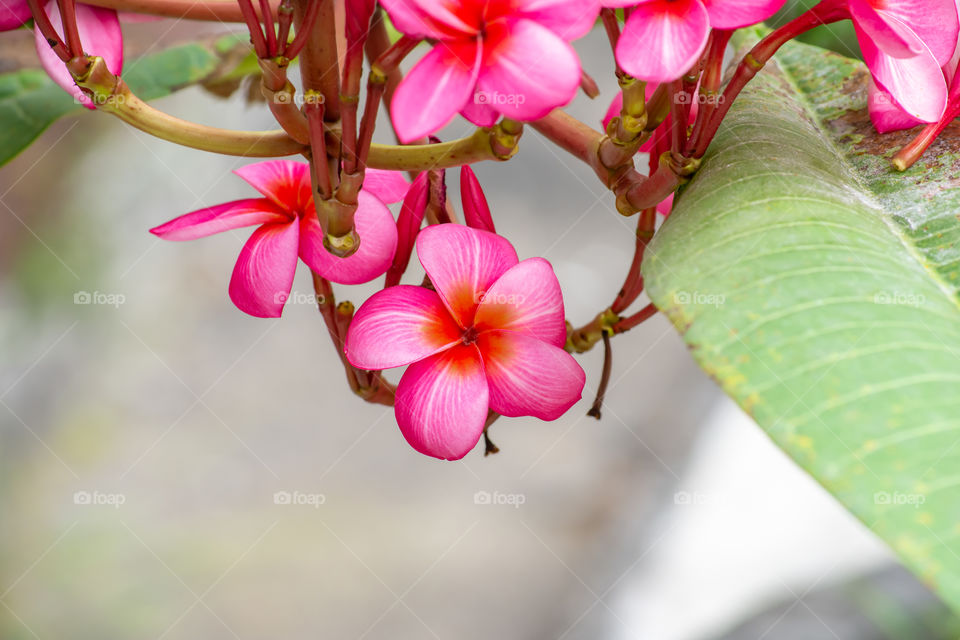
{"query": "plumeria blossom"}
[(663, 39), (886, 113), (288, 229), (489, 338), (906, 44), (509, 57), (99, 31)]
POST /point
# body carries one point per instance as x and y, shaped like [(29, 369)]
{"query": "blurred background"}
[(174, 469)]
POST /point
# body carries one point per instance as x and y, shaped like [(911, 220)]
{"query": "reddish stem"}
[(42, 22), (253, 25), (636, 319), (267, 14), (633, 284)]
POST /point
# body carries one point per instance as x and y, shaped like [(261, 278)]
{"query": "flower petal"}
[(528, 377), (264, 272), (427, 19), (476, 211), (529, 70), (436, 89), (397, 326), (378, 242), (101, 36), (885, 114), (479, 112), (441, 403), (901, 78), (663, 39), (285, 182), (13, 14), (388, 186), (526, 299), (222, 217), (569, 19), (462, 263), (935, 22), (891, 36), (733, 14)]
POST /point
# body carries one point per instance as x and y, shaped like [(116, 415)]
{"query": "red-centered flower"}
[(663, 39), (263, 275), (509, 57), (489, 338)]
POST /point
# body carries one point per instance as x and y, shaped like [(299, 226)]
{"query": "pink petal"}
[(436, 89), (264, 272), (378, 242), (529, 70), (569, 19), (397, 326), (427, 19), (891, 36), (388, 186), (13, 14), (476, 211), (441, 404), (101, 36), (408, 226), (916, 83), (222, 217), (286, 182), (935, 22), (528, 377), (479, 112), (886, 115), (526, 299), (663, 39), (462, 263), (733, 14)]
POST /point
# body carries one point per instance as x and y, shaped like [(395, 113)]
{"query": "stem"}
[(266, 14), (313, 109), (256, 32), (316, 43), (633, 284), (612, 27), (284, 20), (636, 319), (710, 81), (42, 22), (909, 154), (594, 411), (209, 10), (68, 17), (280, 95)]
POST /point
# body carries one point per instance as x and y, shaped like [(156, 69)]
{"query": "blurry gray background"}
[(672, 518)]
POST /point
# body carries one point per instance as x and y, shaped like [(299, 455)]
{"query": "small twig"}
[(594, 411)]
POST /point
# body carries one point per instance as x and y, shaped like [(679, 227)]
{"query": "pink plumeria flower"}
[(489, 338), (509, 57), (99, 32), (263, 275), (663, 39), (916, 92)]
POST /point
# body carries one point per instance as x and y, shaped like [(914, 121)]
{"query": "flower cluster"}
[(484, 334)]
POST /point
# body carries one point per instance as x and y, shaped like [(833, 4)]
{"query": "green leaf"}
[(819, 288), (30, 101)]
